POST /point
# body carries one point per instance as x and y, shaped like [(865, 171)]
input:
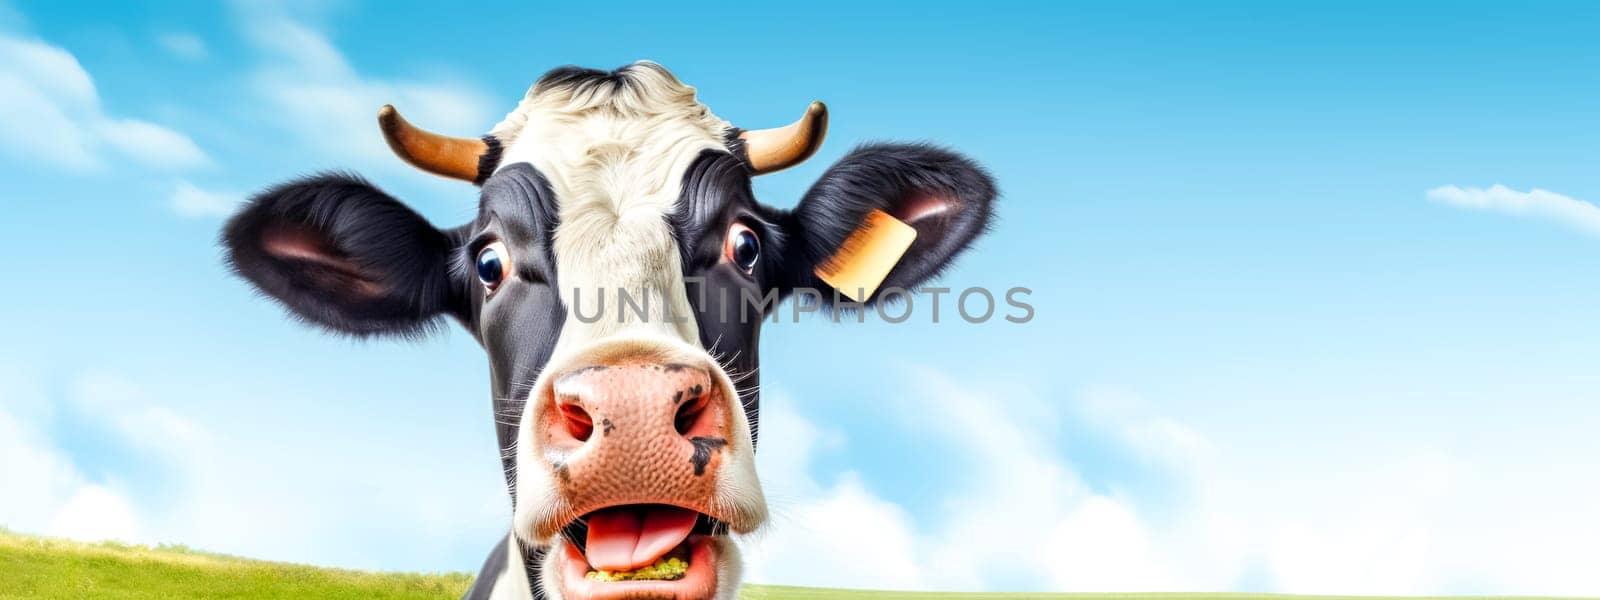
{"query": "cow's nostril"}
[(578, 422), (689, 411)]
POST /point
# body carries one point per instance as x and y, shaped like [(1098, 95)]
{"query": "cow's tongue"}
[(628, 537)]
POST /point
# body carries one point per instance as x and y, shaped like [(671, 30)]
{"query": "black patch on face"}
[(519, 324), (716, 193), (606, 427), (702, 452)]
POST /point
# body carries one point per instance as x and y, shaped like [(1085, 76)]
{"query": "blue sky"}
[(1289, 337)]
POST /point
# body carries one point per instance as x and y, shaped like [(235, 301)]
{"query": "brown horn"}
[(441, 155), (779, 148)]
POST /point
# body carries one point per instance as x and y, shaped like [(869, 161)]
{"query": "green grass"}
[(34, 567)]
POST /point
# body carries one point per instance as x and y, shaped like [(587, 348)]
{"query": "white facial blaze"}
[(615, 157)]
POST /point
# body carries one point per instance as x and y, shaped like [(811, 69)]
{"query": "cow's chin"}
[(713, 572)]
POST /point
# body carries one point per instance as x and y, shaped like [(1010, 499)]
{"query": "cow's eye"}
[(494, 264), (742, 248)]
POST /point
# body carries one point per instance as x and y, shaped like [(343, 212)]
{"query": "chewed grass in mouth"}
[(641, 542), (671, 568)]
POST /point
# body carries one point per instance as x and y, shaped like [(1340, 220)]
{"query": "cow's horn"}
[(441, 155), (783, 147)]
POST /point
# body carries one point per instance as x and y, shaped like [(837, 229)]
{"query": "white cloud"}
[(1016, 515), (150, 144), (314, 92), (816, 534), (122, 405), (95, 513), (300, 493), (52, 113), (1054, 531), (184, 45), (1155, 438), (59, 499), (191, 201), (1545, 204), (28, 464), (1018, 518), (843, 536)]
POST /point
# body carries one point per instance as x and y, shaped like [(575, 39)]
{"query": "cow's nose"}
[(632, 432), (643, 408)]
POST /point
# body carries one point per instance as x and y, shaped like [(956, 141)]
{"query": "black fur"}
[(483, 586), (715, 194), (367, 241), (883, 176), (584, 80), (573, 75), (519, 325), (736, 147), (489, 159), (532, 558)]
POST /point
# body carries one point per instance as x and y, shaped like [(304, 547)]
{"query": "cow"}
[(627, 441)]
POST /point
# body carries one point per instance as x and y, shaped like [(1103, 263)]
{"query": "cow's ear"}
[(340, 253), (944, 196)]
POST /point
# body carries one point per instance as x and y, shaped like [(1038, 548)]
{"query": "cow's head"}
[(627, 439)]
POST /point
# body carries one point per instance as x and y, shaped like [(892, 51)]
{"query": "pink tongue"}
[(628, 537)]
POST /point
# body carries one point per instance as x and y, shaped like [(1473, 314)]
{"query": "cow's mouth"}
[(640, 551)]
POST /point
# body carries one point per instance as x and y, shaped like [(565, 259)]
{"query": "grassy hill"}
[(33, 567)]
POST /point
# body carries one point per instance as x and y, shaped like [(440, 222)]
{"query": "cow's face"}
[(627, 425)]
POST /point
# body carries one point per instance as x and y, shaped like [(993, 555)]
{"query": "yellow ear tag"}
[(867, 255)]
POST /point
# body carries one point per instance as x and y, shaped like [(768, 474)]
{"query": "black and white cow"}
[(630, 438)]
